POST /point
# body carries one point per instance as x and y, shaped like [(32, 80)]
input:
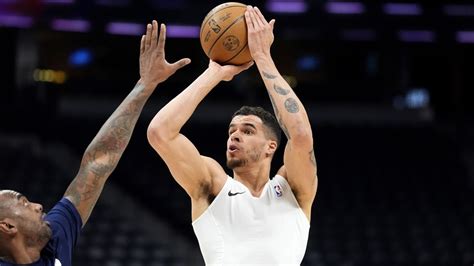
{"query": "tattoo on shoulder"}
[(268, 75), (291, 105), (280, 90)]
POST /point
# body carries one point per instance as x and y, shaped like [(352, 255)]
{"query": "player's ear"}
[(271, 147), (7, 227)]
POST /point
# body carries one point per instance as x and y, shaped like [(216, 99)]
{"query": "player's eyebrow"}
[(245, 124), (250, 125)]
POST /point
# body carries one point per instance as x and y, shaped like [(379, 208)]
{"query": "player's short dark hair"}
[(268, 120)]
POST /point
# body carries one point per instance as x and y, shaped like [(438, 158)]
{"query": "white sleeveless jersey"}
[(239, 229)]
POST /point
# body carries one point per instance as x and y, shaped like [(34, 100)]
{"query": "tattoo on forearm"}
[(115, 134), (280, 90), (105, 150), (278, 117), (275, 108), (291, 105), (268, 75), (88, 182)]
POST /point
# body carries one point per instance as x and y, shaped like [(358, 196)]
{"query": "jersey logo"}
[(233, 194), (57, 262), (278, 190)]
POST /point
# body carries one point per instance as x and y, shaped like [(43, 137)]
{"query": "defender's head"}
[(254, 135), (21, 221)]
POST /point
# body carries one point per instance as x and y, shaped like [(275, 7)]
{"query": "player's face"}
[(247, 141), (28, 218)]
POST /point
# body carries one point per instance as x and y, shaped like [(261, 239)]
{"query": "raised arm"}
[(104, 152), (195, 173), (299, 160)]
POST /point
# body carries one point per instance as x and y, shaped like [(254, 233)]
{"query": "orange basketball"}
[(224, 34)]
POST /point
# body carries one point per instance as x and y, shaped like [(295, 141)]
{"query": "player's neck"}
[(19, 254), (254, 178)]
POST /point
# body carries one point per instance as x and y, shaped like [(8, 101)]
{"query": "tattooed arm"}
[(104, 152), (299, 160)]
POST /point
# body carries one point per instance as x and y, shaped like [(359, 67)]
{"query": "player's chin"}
[(46, 232), (233, 163)]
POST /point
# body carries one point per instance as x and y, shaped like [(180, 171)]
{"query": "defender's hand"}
[(154, 68)]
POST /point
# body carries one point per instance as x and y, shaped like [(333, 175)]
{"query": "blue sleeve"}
[(66, 224)]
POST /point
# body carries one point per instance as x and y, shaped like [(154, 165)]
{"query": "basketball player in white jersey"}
[(249, 219)]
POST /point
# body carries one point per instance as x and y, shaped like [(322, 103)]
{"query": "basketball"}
[(223, 34)]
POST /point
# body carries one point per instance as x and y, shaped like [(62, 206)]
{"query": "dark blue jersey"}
[(66, 225)]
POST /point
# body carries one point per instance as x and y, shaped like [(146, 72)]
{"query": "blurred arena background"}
[(388, 86)]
